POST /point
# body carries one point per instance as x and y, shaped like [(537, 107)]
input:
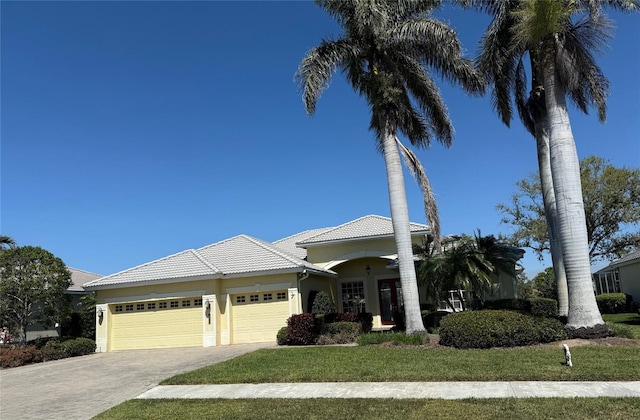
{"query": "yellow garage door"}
[(257, 317), (150, 325)]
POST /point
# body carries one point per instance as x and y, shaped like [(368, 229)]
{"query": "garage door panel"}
[(158, 328), (260, 321)]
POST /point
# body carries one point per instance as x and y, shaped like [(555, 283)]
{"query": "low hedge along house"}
[(243, 290)]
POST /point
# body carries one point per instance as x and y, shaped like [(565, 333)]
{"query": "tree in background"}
[(611, 204), (544, 284), (383, 52), (32, 288)]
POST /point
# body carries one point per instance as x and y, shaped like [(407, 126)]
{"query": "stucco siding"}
[(629, 276)]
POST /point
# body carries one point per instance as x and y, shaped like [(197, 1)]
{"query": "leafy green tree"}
[(32, 288), (611, 204), (544, 284), (322, 304), (383, 52), (559, 38)]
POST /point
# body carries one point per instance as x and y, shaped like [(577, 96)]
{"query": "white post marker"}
[(567, 356)]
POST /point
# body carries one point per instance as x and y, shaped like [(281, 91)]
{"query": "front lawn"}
[(266, 409), (383, 364), (628, 321)]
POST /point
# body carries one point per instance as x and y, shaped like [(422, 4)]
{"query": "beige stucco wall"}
[(629, 276)]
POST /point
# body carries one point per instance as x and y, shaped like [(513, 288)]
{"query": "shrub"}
[(53, 350), (13, 356), (322, 304), (509, 304), (498, 328), (301, 329), (366, 321), (544, 307), (339, 333), (364, 318), (282, 338), (432, 321), (78, 347), (611, 303)]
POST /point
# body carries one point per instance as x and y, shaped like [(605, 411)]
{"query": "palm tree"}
[(382, 52), (466, 263), (562, 64), (6, 242)]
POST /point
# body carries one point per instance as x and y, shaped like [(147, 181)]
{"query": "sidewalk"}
[(441, 390)]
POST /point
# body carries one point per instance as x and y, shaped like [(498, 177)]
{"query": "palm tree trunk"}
[(402, 233), (572, 229), (550, 211)]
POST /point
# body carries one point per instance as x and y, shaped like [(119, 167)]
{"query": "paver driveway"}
[(82, 387)]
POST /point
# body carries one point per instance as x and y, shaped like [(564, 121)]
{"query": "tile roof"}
[(243, 254), (364, 227), (629, 257), (80, 277), (288, 244), (184, 264)]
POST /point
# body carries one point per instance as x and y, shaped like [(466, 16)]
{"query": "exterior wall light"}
[(368, 269), (100, 315)]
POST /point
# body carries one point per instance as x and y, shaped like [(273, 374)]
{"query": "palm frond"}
[(430, 207)]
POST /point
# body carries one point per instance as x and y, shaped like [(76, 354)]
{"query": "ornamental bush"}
[(14, 356), (544, 307), (79, 347), (322, 304), (498, 328), (611, 303), (282, 338), (339, 333), (301, 329)]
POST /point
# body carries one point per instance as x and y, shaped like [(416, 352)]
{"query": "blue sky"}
[(135, 130)]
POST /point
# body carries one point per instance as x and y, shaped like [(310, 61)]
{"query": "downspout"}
[(303, 276)]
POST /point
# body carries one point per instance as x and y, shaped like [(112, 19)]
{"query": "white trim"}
[(360, 254), (258, 287), (101, 344), (225, 336), (137, 283), (293, 295), (209, 337), (154, 296)]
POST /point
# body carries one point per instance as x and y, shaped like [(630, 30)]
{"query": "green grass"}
[(381, 364), (265, 409), (625, 325)]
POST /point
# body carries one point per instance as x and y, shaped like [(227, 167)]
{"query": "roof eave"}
[(153, 282), (360, 238)]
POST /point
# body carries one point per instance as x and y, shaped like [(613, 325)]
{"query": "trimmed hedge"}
[(612, 303), (364, 318), (498, 328), (322, 304), (51, 349), (282, 338), (544, 307)]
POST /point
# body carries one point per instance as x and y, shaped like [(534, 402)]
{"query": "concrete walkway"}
[(444, 390)]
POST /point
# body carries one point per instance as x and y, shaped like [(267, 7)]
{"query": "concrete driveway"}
[(82, 387)]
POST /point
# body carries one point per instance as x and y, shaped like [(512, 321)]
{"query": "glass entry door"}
[(390, 295)]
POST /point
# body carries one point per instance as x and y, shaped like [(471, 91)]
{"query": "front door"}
[(390, 294)]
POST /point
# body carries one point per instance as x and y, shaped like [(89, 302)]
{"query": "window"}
[(118, 308), (140, 307), (267, 296), (253, 298), (128, 308), (174, 303), (281, 296), (352, 295), (240, 299), (151, 306), (186, 303), (197, 302), (162, 305)]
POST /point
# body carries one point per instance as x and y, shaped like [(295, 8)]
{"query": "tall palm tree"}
[(562, 64), (383, 52)]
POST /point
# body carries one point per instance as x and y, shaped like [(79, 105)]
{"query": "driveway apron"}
[(82, 387)]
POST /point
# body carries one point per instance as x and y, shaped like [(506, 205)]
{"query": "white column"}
[(295, 305), (225, 335), (209, 320), (102, 327)]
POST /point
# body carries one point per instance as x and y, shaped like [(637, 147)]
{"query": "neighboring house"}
[(621, 276), (78, 278), (243, 290)]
